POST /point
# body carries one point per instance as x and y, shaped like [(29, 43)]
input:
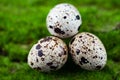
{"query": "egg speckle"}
[(88, 51), (63, 20), (48, 54)]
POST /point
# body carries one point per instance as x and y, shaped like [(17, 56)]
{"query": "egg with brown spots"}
[(88, 51), (50, 53), (64, 20)]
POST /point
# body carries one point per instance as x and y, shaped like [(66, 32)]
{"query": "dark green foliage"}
[(23, 23)]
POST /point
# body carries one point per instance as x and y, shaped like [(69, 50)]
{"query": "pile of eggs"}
[(50, 53)]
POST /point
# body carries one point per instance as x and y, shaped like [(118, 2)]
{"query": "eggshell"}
[(63, 20), (88, 51), (50, 53)]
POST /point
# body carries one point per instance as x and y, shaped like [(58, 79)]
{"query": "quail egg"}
[(88, 51), (49, 54), (64, 20)]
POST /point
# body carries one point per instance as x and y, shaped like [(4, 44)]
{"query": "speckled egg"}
[(63, 20), (88, 51), (48, 54)]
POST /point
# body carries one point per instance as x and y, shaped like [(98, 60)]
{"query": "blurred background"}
[(23, 23)]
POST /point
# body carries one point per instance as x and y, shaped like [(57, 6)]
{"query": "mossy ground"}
[(23, 23)]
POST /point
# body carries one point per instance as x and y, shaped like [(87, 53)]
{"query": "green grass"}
[(23, 23)]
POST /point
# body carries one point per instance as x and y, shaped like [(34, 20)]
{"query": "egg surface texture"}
[(63, 20), (50, 53), (88, 51)]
